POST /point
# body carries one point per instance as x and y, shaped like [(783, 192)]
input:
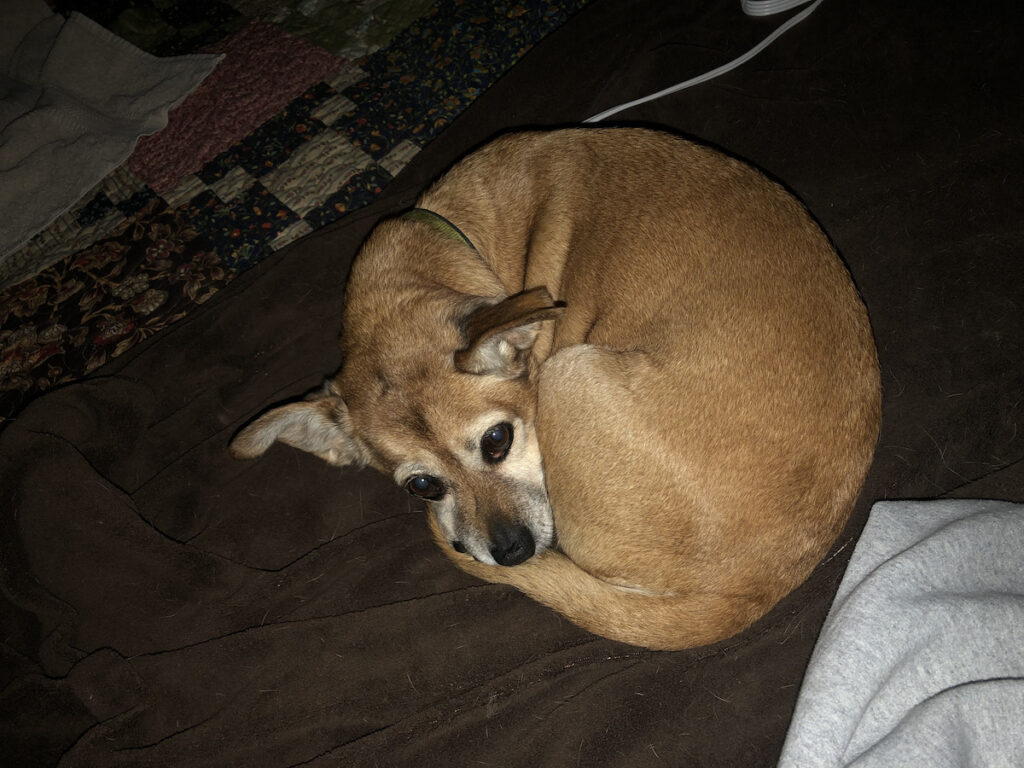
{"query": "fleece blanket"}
[(74, 99), (163, 604), (921, 658)]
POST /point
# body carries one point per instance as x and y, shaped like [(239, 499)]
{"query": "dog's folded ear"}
[(499, 336), (319, 425)]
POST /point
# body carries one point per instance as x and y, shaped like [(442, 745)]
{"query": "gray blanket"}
[(921, 659)]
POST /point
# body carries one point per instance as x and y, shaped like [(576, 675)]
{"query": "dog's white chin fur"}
[(537, 517)]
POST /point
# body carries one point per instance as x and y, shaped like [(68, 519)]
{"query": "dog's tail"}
[(658, 621)]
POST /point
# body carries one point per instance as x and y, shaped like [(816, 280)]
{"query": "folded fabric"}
[(74, 99), (921, 659)]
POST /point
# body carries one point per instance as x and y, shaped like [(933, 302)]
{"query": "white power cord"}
[(751, 8), (769, 7)]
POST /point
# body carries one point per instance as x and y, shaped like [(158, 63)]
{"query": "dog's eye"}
[(495, 443), (426, 487)]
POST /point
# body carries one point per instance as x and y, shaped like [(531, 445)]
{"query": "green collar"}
[(438, 222)]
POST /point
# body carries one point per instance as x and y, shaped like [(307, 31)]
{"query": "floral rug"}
[(287, 135)]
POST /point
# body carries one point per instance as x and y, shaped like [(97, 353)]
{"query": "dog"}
[(628, 374)]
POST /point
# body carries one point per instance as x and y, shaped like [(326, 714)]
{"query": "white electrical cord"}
[(751, 8), (769, 7)]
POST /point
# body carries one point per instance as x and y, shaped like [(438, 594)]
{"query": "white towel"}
[(74, 99)]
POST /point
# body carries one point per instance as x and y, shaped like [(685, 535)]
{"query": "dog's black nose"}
[(512, 545)]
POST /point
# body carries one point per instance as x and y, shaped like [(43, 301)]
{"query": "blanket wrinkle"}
[(334, 540), (558, 704), (282, 618), (482, 696), (280, 621)]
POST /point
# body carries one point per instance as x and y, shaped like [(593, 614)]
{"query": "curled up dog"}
[(628, 374)]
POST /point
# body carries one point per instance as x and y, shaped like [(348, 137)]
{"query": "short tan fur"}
[(679, 362)]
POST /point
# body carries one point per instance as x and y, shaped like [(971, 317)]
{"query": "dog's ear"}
[(319, 425), (499, 336)]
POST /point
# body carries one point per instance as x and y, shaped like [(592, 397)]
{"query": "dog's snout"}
[(512, 545)]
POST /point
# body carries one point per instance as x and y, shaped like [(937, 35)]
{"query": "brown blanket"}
[(165, 605)]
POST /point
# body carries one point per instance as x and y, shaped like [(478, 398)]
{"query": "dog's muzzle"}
[(512, 545)]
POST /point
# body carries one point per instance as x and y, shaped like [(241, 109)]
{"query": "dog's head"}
[(437, 389)]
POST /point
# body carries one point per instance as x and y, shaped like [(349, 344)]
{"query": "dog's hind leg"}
[(622, 497), (662, 622)]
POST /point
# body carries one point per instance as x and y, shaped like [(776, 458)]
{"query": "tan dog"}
[(629, 375)]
